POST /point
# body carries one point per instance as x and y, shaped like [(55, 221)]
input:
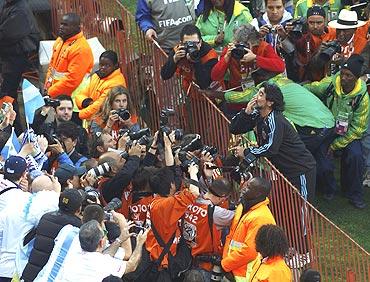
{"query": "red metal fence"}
[(330, 250)]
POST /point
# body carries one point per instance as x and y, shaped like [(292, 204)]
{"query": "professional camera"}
[(92, 194), (239, 51), (193, 145), (185, 162), (51, 102), (331, 48), (114, 204), (164, 128), (142, 136), (299, 27), (211, 150), (242, 170), (100, 170), (123, 114), (192, 49)]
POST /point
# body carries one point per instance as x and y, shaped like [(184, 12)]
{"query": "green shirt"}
[(339, 102), (331, 7), (216, 23), (301, 106)]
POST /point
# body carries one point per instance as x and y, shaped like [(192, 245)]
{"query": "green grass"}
[(354, 222), (130, 4)]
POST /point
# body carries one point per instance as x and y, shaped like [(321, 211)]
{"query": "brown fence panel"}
[(329, 249)]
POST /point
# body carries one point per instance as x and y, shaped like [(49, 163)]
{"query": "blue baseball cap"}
[(66, 171), (15, 165)]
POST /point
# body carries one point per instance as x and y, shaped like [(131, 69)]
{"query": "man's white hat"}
[(346, 20)]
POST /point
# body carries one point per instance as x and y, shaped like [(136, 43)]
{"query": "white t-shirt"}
[(67, 247), (90, 267), (15, 222)]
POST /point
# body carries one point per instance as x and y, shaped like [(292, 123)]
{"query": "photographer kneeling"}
[(115, 114), (193, 59)]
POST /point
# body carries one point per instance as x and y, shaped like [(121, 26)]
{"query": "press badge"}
[(341, 123)]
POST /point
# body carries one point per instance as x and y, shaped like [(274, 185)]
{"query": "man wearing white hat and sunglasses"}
[(351, 42)]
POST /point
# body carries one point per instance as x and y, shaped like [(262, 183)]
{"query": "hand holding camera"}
[(136, 150), (230, 48), (248, 57), (56, 148), (180, 52), (239, 151), (265, 29), (193, 169)]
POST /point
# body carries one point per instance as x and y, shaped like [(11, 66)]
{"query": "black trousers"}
[(12, 69)]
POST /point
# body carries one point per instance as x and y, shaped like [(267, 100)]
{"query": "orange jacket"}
[(196, 231), (240, 248), (98, 90), (270, 270), (165, 213), (71, 61)]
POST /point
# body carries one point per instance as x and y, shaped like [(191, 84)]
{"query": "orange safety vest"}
[(98, 90), (196, 231), (240, 249), (70, 62)]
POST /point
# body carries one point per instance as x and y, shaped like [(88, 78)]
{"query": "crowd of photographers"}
[(90, 195)]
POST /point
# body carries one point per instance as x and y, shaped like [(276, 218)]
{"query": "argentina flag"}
[(11, 147), (32, 100)]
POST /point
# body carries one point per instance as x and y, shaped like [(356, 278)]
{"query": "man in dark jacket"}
[(19, 38), (48, 228), (193, 59), (277, 139), (63, 113)]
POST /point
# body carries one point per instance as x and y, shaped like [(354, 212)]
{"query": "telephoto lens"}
[(216, 274), (100, 170)]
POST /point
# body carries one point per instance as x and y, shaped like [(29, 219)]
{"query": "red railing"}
[(330, 250)]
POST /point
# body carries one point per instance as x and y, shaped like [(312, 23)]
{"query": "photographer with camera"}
[(115, 114), (350, 40), (203, 224), (63, 146), (345, 94), (330, 7), (251, 213), (167, 254), (277, 139), (63, 107), (243, 56), (92, 97), (303, 61), (120, 172), (270, 24), (193, 59)]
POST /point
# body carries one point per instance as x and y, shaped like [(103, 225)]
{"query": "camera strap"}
[(210, 212), (166, 246)]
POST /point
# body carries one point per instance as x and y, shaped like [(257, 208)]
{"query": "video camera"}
[(331, 48)]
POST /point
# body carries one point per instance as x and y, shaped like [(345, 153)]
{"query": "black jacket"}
[(277, 140), (202, 72), (18, 29), (49, 128), (47, 230)]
